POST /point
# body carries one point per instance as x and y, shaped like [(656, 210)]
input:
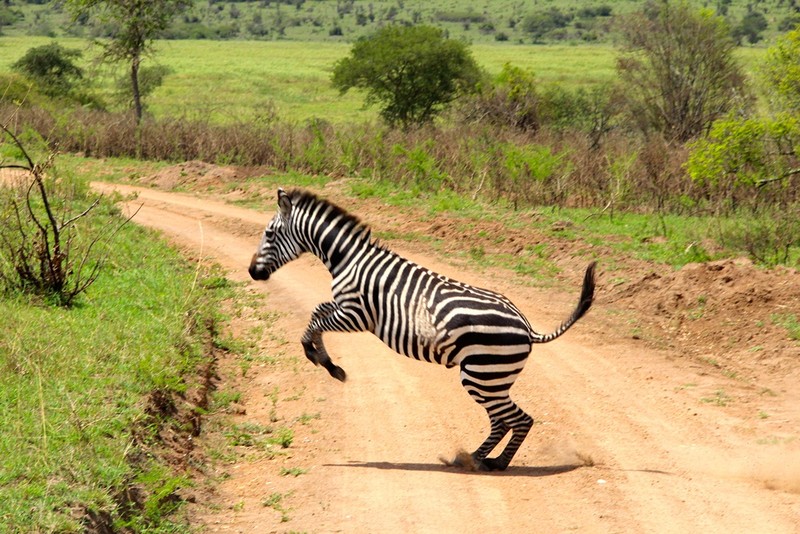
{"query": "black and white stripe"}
[(416, 312)]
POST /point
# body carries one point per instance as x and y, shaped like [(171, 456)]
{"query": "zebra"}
[(416, 312)]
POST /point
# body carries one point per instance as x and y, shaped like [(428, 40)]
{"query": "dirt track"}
[(626, 438)]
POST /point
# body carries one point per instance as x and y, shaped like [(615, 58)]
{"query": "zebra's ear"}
[(284, 203)]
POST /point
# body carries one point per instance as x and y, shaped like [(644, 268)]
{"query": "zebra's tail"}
[(585, 302)]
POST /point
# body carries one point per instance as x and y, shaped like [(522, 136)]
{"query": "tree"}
[(136, 24), (762, 151), (51, 68), (679, 70), (150, 78), (781, 72), (413, 72), (750, 27)]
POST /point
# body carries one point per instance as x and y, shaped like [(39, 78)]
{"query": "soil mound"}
[(193, 175), (728, 309)]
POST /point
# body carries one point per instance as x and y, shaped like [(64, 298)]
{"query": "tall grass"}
[(85, 392), (547, 167)]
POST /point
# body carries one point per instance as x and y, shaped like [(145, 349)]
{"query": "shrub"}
[(45, 249), (769, 237), (511, 101), (52, 68), (540, 23)]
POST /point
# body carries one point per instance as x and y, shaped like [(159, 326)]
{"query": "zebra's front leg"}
[(312, 338), (316, 352), (327, 317)]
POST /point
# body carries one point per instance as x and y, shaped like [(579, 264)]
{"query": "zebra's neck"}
[(332, 234)]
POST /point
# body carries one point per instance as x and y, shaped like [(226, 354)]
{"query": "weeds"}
[(720, 398), (259, 436), (292, 471), (790, 322), (274, 501), (48, 247)]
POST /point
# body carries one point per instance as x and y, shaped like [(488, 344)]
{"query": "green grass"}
[(667, 239), (229, 81), (74, 385), (720, 398)]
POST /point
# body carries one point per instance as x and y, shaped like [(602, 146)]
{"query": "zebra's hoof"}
[(493, 464)]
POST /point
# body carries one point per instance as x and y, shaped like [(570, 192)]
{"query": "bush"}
[(781, 72), (19, 91), (45, 249), (511, 101), (750, 27), (52, 68), (748, 162), (768, 237), (540, 23)]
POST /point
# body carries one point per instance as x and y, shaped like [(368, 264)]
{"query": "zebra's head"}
[(278, 245)]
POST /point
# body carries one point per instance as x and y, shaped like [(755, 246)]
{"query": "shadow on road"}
[(517, 471)]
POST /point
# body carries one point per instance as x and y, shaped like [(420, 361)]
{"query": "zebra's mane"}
[(306, 199)]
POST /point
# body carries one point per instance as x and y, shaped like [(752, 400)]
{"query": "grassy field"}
[(80, 425), (229, 81)]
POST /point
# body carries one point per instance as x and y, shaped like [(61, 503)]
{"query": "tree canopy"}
[(781, 71), (51, 67), (679, 69), (412, 72)]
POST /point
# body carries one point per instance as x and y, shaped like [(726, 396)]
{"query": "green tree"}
[(150, 78), (678, 69), (781, 72), (52, 68), (135, 25), (540, 23), (757, 151), (413, 72), (750, 27)]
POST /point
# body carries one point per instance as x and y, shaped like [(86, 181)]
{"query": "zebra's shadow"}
[(513, 470)]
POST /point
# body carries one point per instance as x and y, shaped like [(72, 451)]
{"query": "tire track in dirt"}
[(663, 460)]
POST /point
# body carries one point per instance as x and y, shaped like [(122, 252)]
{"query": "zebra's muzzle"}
[(256, 272)]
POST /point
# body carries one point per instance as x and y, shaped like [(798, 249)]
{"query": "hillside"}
[(504, 21)]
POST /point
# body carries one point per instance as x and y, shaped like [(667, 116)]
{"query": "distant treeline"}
[(494, 21)]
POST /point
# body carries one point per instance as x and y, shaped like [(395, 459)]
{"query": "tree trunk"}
[(137, 98)]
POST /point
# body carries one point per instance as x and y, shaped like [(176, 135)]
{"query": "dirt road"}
[(628, 439)]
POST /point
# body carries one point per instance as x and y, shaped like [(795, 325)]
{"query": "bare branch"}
[(81, 215), (19, 144), (787, 174)]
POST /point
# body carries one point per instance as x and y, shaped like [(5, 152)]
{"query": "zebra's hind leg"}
[(520, 424), (512, 419), (491, 390)]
